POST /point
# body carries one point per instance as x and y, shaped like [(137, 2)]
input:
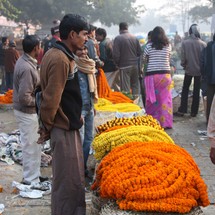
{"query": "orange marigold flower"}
[(159, 177)]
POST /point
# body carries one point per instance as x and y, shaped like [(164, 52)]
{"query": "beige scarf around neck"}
[(87, 66)]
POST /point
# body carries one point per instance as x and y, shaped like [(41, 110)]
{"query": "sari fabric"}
[(159, 98)]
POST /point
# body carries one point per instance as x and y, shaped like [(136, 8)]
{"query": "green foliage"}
[(201, 13), (129, 95), (115, 11), (36, 11), (213, 3), (8, 10), (107, 12)]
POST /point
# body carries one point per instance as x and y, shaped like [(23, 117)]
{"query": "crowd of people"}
[(8, 57), (66, 69)]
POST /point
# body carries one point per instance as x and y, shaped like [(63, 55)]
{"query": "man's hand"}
[(82, 119), (212, 155), (44, 136), (99, 63)]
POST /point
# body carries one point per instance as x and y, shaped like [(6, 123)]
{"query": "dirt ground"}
[(15, 205), (184, 133)]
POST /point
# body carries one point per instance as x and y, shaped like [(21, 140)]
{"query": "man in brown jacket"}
[(11, 56), (60, 114), (3, 46)]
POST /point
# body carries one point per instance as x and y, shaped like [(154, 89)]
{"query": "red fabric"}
[(56, 37), (40, 56)]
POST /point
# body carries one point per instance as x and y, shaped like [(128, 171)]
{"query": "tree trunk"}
[(213, 3)]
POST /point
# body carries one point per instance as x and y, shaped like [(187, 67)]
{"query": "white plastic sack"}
[(33, 194), (1, 208)]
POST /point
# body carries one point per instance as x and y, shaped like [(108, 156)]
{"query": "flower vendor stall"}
[(151, 177), (140, 170)]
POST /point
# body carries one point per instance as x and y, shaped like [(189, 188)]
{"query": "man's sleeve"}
[(183, 56), (116, 52), (139, 50), (91, 50), (51, 95), (17, 55), (203, 62), (102, 49), (26, 89)]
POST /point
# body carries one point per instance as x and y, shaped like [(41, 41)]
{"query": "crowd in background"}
[(68, 64)]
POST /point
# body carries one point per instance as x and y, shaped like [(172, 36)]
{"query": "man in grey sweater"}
[(26, 78), (190, 60), (126, 54)]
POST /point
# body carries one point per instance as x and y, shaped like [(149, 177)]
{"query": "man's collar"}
[(60, 45), (123, 31)]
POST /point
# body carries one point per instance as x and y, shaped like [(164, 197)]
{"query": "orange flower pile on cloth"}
[(7, 98), (151, 176), (104, 90)]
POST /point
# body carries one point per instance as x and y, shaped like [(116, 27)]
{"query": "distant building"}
[(13, 29)]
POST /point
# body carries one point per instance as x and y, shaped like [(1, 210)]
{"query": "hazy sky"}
[(138, 29), (157, 8), (149, 4), (151, 18)]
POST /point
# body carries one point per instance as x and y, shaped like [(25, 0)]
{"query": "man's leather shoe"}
[(42, 179)]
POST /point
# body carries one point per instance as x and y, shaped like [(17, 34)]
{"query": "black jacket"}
[(208, 63)]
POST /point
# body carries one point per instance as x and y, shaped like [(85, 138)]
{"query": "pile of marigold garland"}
[(143, 170), (104, 90), (106, 141), (119, 107), (151, 176), (7, 98)]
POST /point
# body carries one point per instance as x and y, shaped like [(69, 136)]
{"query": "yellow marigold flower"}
[(106, 141)]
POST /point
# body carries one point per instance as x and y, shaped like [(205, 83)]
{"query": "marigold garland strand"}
[(146, 120), (7, 98), (151, 176), (105, 142), (119, 107), (104, 90)]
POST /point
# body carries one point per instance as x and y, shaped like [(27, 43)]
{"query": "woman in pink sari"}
[(158, 78)]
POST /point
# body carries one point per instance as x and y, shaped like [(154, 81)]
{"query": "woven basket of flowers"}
[(101, 206)]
